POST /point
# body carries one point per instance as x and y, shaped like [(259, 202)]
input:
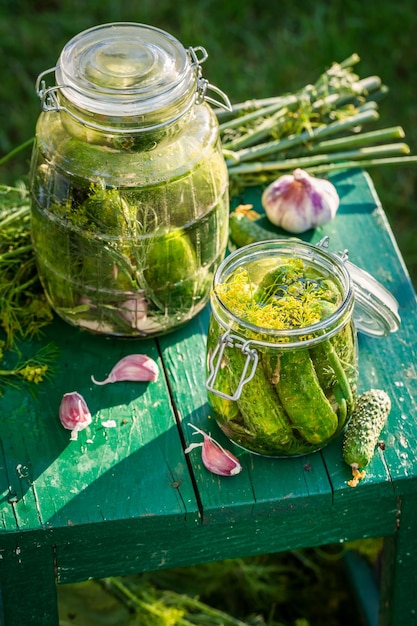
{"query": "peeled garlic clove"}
[(298, 201), (215, 458), (135, 367), (74, 413)]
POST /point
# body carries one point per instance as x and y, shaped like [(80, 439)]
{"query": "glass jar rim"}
[(293, 248)]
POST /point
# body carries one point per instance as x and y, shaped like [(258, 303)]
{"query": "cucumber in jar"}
[(263, 426), (304, 400), (335, 362), (170, 267)]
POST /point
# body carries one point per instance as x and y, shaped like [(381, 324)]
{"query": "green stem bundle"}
[(318, 128)]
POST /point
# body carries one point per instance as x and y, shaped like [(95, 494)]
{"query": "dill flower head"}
[(289, 296)]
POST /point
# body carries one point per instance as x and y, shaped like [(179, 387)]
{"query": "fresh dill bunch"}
[(24, 309)]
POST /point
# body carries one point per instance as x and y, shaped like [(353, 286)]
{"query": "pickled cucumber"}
[(170, 269), (262, 413), (303, 399)]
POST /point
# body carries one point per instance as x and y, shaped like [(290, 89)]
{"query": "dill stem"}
[(261, 132), (361, 155), (252, 107), (182, 601), (9, 372), (365, 163), (272, 109), (15, 215), (359, 139), (325, 130), (15, 252), (339, 371), (138, 603)]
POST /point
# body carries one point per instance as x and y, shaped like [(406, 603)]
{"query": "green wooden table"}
[(126, 499)]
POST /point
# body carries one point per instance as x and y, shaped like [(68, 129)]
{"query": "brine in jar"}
[(129, 185)]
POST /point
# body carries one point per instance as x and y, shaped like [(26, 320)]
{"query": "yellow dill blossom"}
[(33, 373), (33, 370), (287, 297), (238, 293)]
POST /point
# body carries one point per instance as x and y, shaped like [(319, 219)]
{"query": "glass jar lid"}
[(376, 310), (125, 69)]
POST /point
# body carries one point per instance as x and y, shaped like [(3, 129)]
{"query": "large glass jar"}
[(282, 358), (128, 181)]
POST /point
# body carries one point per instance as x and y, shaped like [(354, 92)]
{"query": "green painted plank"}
[(128, 547), (133, 469), (285, 485), (184, 355), (18, 505)]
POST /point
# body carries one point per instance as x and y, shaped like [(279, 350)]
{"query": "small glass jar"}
[(282, 357), (128, 181)]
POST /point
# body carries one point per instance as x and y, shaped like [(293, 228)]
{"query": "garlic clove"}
[(74, 413), (135, 367), (215, 458), (299, 201)]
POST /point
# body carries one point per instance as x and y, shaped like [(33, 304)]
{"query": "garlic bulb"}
[(298, 201)]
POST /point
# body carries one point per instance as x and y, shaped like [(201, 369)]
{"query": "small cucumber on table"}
[(245, 230), (362, 433)]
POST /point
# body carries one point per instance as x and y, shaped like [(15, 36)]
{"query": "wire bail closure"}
[(47, 95), (227, 340), (50, 101), (203, 85)]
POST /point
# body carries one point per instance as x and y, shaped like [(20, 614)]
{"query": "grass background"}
[(257, 48)]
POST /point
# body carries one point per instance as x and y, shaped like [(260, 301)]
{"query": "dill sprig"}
[(23, 306), (16, 368), (24, 310)]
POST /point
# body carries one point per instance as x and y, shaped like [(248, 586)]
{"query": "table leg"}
[(27, 587), (399, 569)]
